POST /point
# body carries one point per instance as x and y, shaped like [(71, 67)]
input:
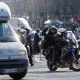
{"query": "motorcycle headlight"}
[(23, 53)]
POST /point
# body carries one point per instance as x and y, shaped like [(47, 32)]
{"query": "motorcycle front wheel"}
[(50, 66)]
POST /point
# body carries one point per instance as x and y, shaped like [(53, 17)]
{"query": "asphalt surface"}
[(40, 72)]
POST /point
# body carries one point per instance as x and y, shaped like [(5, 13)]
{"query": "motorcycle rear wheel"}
[(75, 66)]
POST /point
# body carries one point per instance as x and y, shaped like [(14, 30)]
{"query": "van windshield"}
[(7, 33)]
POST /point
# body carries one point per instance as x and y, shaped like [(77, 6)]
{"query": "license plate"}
[(10, 70)]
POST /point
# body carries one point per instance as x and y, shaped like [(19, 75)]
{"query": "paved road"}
[(40, 72)]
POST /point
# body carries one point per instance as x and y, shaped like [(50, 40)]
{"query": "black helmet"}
[(46, 27), (53, 28), (37, 30)]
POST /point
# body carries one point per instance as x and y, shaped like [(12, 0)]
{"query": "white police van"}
[(13, 54)]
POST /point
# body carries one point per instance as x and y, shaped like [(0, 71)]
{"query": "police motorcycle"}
[(69, 55)]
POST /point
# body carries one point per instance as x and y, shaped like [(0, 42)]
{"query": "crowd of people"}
[(52, 36)]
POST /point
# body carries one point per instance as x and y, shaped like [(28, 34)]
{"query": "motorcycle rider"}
[(73, 41), (60, 42), (66, 38), (49, 40)]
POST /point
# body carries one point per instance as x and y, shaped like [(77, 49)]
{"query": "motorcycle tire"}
[(75, 66), (51, 68)]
